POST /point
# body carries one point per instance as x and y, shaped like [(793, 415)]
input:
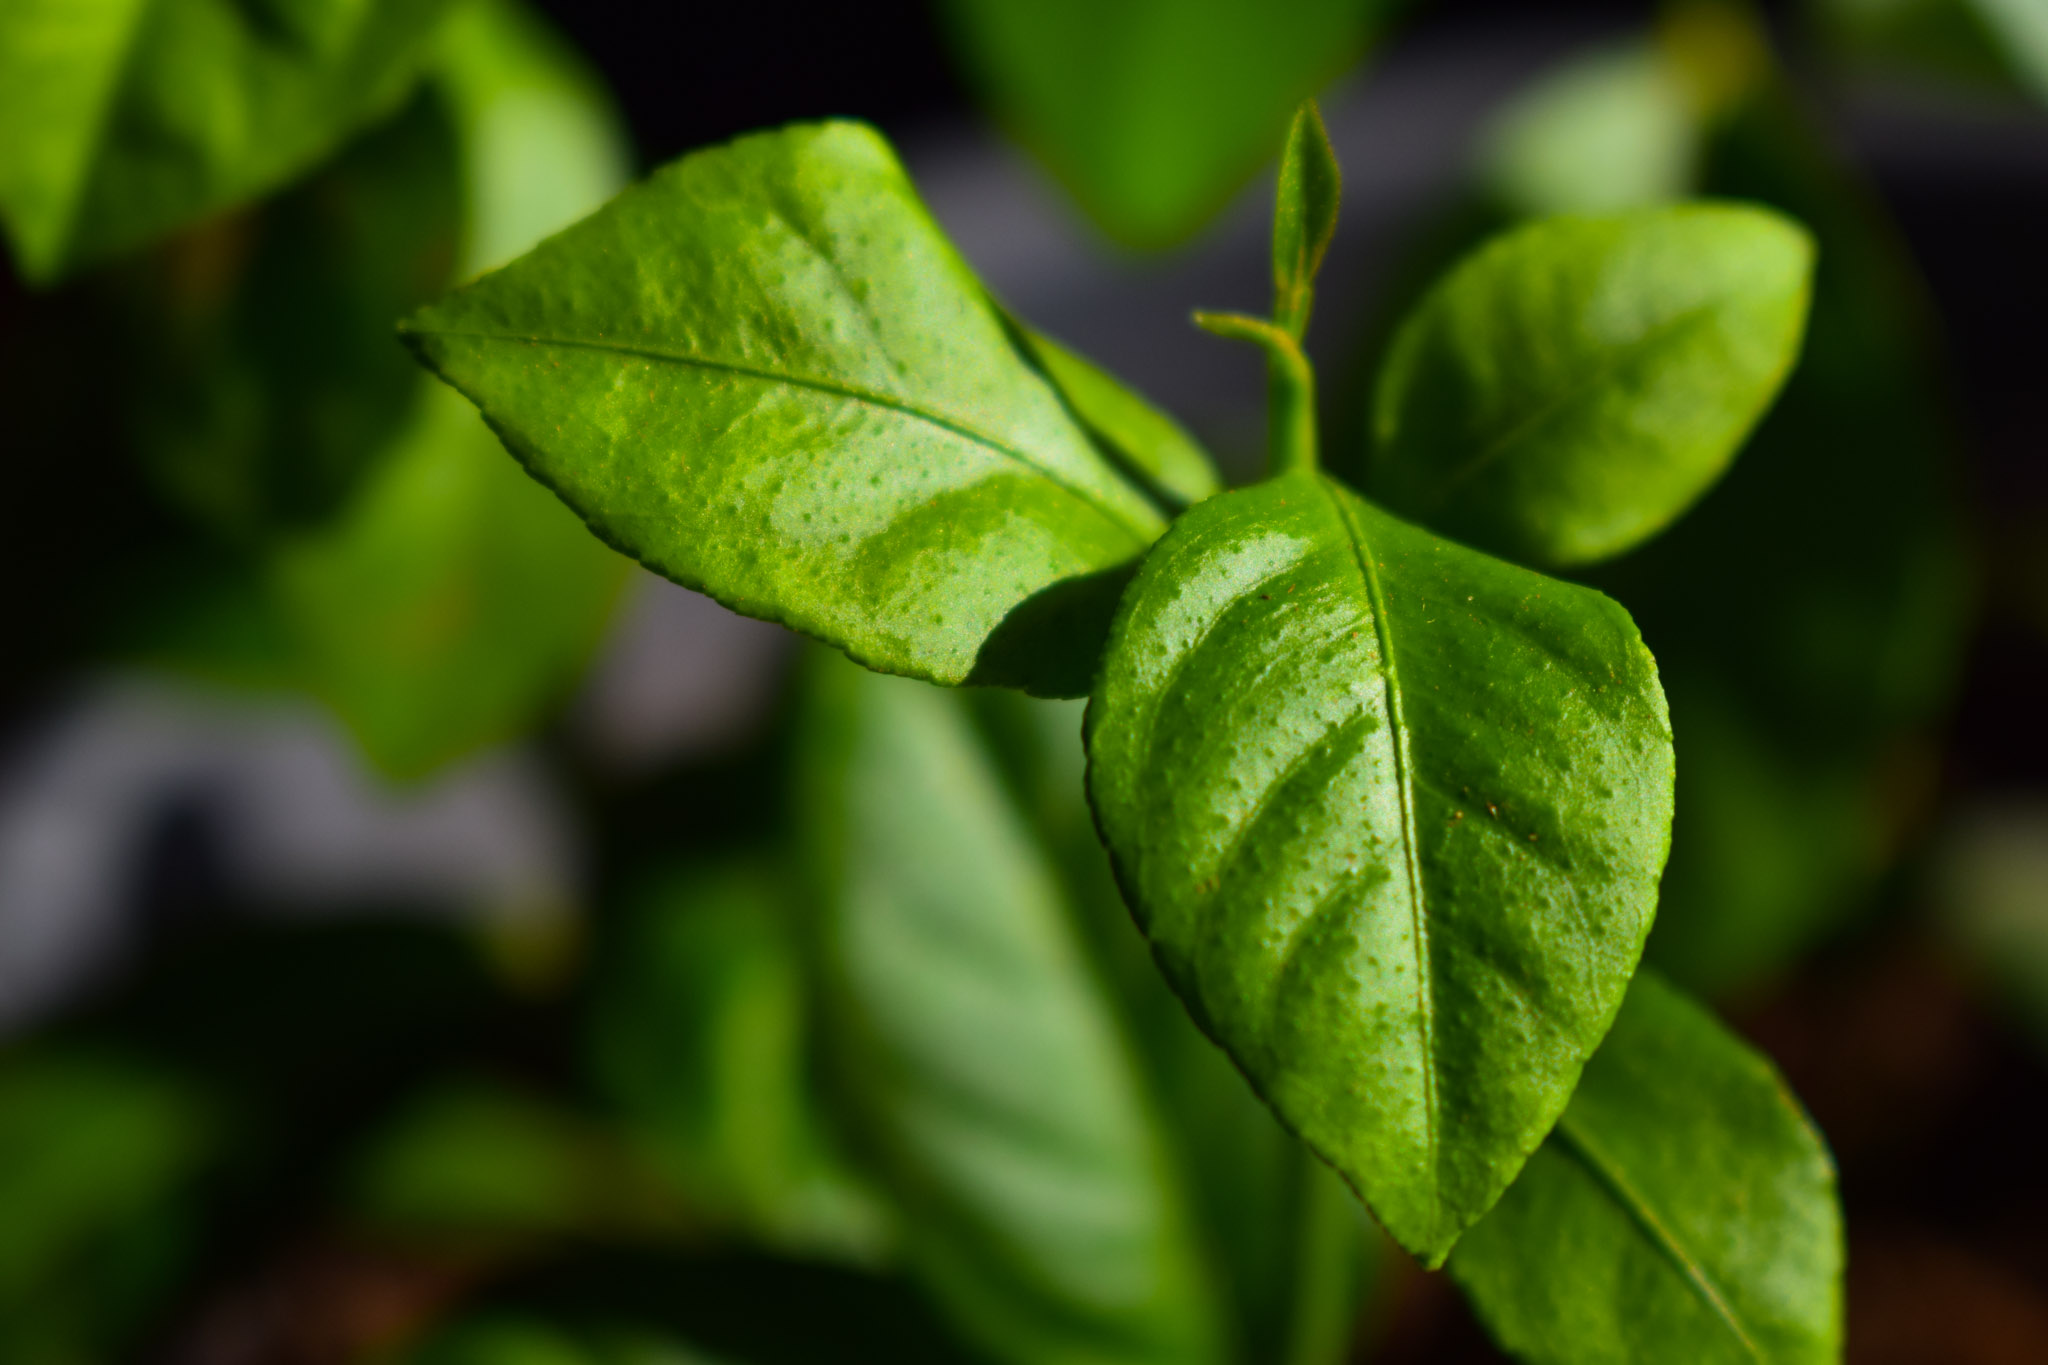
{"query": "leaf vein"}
[(1604, 1170), (851, 392), (1397, 725)]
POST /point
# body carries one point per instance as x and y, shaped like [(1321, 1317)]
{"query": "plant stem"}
[(1290, 389)]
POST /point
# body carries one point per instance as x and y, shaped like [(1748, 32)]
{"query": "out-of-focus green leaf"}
[(474, 1159), (1153, 112), (1286, 1241), (269, 383), (1391, 813), (1145, 442), (767, 375), (451, 600), (451, 606), (1684, 1209), (700, 1038), (96, 1157), (123, 119), (1609, 131), (983, 1071), (1576, 384), (542, 142), (1990, 894), (1998, 41)]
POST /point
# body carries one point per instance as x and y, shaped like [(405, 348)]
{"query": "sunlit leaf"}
[(1684, 1209), (765, 374), (1391, 813)]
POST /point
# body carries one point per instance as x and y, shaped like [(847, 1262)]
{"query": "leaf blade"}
[(165, 112), (1683, 1205), (821, 375), (1297, 813), (1574, 385), (984, 1070)]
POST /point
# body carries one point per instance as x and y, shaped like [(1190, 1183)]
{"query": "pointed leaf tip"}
[(1304, 215)]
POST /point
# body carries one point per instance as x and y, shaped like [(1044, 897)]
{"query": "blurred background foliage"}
[(644, 991)]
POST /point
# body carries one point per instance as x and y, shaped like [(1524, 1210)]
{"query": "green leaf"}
[(1304, 216), (121, 120), (451, 601), (1153, 112), (97, 1156), (268, 385), (1392, 814), (982, 1069), (1608, 131), (1286, 1241), (765, 374), (1146, 443), (1575, 385), (700, 1038), (1832, 640), (1984, 42), (473, 1159), (1684, 1209)]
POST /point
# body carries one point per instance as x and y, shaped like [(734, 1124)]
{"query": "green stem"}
[(1290, 388)]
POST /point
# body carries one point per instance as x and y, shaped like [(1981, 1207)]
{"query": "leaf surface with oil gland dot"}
[(1392, 814), (766, 374)]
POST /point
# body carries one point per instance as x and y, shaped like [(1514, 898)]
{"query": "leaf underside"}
[(1392, 814)]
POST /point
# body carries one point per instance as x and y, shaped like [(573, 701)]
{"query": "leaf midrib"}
[(1397, 726), (1501, 446), (851, 392), (1606, 1172)]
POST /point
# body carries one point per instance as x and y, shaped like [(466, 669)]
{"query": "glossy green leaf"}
[(1575, 385), (700, 1039), (1684, 1209), (1286, 1241), (1145, 442), (1304, 216), (1611, 130), (121, 120), (981, 1067), (1392, 814), (765, 374), (1153, 112)]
